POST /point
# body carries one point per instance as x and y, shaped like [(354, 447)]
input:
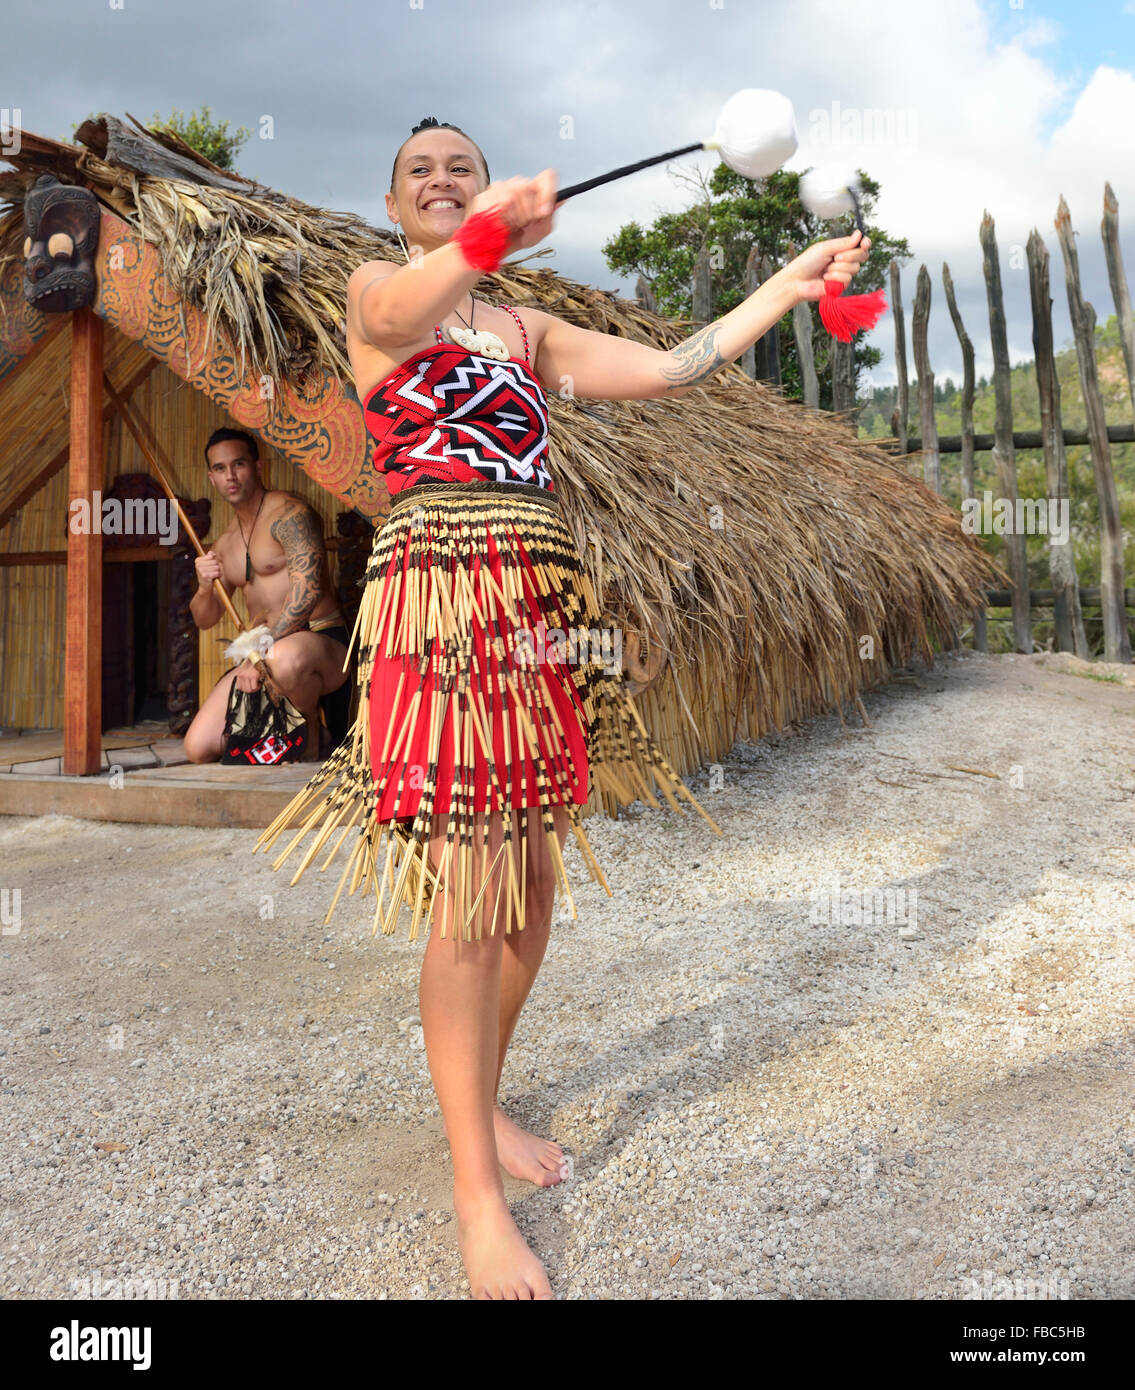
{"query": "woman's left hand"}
[(836, 259)]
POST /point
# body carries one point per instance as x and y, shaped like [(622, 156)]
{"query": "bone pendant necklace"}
[(483, 343)]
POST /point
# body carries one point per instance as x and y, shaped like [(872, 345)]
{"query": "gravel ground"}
[(932, 1103)]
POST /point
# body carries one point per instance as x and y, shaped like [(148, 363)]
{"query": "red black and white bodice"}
[(450, 415)]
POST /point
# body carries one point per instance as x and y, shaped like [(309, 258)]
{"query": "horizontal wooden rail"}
[(1022, 439), (1089, 598)]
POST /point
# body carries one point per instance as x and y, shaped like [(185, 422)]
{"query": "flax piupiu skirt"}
[(486, 688)]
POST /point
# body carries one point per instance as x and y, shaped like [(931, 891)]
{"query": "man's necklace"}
[(484, 343), (247, 543)]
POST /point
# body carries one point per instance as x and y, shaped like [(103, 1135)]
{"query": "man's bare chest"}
[(249, 558)]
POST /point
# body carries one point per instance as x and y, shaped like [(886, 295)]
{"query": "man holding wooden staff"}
[(273, 551)]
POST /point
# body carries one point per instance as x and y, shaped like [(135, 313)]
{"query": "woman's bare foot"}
[(526, 1155), (496, 1256)]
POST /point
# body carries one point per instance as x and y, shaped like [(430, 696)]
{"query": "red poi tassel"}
[(844, 317), (483, 239)]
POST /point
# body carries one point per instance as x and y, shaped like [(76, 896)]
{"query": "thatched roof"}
[(821, 539)]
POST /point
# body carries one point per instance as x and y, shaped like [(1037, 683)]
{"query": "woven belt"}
[(422, 493)]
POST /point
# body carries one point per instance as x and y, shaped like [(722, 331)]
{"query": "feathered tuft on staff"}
[(257, 642)]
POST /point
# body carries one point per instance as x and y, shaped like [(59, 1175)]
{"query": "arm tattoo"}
[(299, 531), (695, 360)]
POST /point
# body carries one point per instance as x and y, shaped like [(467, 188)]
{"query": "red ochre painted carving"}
[(21, 326), (319, 427)]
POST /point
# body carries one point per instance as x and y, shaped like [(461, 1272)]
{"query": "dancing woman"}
[(477, 740)]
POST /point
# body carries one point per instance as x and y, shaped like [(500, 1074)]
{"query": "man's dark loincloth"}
[(336, 706)]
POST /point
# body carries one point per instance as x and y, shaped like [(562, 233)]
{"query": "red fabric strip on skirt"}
[(517, 779)]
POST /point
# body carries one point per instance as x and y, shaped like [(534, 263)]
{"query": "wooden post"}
[(969, 485), (645, 295), (1068, 620), (768, 346), (748, 359), (1003, 454), (805, 357), (843, 379), (82, 680), (1119, 293), (1117, 644), (702, 291), (899, 419), (931, 463)]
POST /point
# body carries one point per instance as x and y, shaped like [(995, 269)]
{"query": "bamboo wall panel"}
[(32, 626)]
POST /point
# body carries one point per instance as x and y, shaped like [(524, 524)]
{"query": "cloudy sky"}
[(998, 105)]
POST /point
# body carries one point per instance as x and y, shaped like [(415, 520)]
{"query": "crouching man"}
[(273, 551)]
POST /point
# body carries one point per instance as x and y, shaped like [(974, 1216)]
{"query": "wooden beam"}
[(82, 676), (1022, 439), (1045, 598), (49, 469)]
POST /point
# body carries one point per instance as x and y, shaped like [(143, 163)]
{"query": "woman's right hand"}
[(527, 205)]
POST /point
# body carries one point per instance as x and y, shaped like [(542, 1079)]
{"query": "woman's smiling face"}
[(438, 174)]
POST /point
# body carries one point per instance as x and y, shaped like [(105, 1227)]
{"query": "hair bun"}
[(425, 124)]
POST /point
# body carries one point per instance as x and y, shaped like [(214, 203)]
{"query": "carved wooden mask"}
[(62, 226)]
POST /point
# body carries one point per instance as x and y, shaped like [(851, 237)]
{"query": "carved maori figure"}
[(61, 223)]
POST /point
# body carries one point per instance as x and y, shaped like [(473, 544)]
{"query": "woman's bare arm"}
[(389, 306), (580, 362)]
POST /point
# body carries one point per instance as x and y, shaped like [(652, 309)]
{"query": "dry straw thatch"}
[(753, 541)]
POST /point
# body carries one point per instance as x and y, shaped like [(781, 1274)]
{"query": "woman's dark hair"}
[(242, 436), (432, 123)]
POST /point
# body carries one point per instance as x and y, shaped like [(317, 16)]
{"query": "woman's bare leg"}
[(523, 1154), (460, 1002)]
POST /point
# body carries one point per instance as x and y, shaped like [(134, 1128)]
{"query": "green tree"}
[(731, 216), (207, 136)]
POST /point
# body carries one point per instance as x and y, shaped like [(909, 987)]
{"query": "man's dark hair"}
[(432, 123), (243, 436)]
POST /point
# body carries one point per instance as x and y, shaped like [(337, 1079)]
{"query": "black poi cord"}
[(627, 169)]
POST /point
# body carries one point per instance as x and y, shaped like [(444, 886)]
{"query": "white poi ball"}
[(826, 192), (756, 132)]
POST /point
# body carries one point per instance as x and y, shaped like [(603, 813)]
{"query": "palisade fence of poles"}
[(1066, 597)]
